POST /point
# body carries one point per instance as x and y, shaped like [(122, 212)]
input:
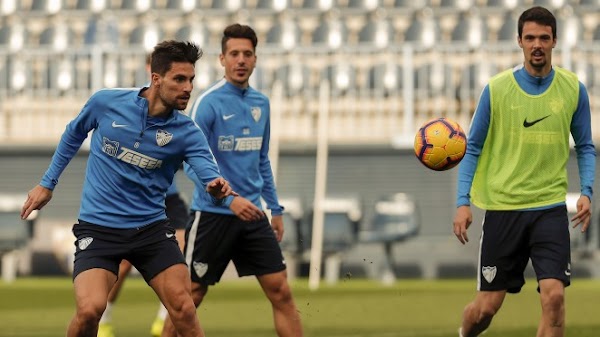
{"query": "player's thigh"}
[(92, 287), (258, 252), (172, 285)]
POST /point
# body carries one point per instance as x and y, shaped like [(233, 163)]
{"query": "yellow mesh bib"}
[(523, 161)]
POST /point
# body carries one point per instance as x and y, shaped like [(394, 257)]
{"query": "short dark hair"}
[(539, 15), (167, 52), (237, 31)]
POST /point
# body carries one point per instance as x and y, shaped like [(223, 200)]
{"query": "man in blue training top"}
[(235, 119), (515, 169), (140, 139)]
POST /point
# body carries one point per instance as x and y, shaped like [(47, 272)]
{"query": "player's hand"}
[(584, 213), (277, 224), (37, 198), (220, 188), (245, 210), (462, 221)]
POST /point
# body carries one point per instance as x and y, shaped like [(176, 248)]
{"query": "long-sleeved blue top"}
[(133, 158), (580, 130), (236, 123)]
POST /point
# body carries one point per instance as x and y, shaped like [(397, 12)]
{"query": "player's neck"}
[(156, 108)]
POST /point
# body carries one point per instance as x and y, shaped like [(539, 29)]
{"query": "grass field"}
[(42, 307)]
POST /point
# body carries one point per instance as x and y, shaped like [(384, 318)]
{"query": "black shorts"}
[(212, 240), (150, 249), (510, 238), (177, 211)]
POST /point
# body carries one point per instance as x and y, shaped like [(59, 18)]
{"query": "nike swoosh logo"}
[(169, 235), (115, 125), (226, 117), (532, 123)]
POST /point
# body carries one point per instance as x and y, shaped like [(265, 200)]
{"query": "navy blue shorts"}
[(177, 211), (510, 238), (212, 240), (150, 249)]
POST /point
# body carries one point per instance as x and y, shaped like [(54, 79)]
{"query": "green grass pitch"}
[(42, 307)]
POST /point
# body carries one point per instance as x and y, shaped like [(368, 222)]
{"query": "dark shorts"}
[(150, 249), (510, 238), (177, 211), (212, 240)]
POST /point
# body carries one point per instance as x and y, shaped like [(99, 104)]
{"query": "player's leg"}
[(552, 296), (258, 253), (177, 212), (551, 257), (97, 258), (208, 242), (285, 314), (173, 288), (91, 292), (503, 256), (478, 315), (106, 329)]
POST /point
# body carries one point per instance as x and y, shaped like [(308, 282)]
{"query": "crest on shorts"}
[(256, 112), (85, 242), (489, 273), (163, 137), (200, 268)]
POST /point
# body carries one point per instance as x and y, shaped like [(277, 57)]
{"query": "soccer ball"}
[(440, 144)]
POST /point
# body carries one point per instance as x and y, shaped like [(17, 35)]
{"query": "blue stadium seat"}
[(342, 78), (365, 5), (508, 30), (318, 5), (182, 5), (228, 6), (138, 6), (273, 5)]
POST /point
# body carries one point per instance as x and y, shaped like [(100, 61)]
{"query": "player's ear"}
[(222, 59)]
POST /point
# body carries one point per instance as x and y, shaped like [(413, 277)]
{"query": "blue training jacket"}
[(133, 158), (236, 123), (580, 130)]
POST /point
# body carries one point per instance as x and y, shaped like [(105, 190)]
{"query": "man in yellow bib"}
[(515, 169)]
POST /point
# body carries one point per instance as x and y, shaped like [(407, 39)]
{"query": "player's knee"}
[(481, 313), (184, 312), (553, 300), (89, 313), (280, 293)]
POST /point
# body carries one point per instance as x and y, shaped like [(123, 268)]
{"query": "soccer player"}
[(235, 119), (515, 169), (140, 139), (177, 211)]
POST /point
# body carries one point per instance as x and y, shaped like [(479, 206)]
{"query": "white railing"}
[(378, 96)]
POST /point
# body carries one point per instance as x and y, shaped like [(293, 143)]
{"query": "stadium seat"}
[(58, 37), (196, 32), (273, 5), (396, 218), (376, 33), (138, 6), (146, 35), (285, 34), (364, 5), (293, 214), (508, 30), (342, 78), (384, 79), (318, 5), (92, 6), (295, 78), (182, 5), (424, 30), (227, 6), (13, 36), (330, 34), (471, 30), (101, 31), (47, 7)]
